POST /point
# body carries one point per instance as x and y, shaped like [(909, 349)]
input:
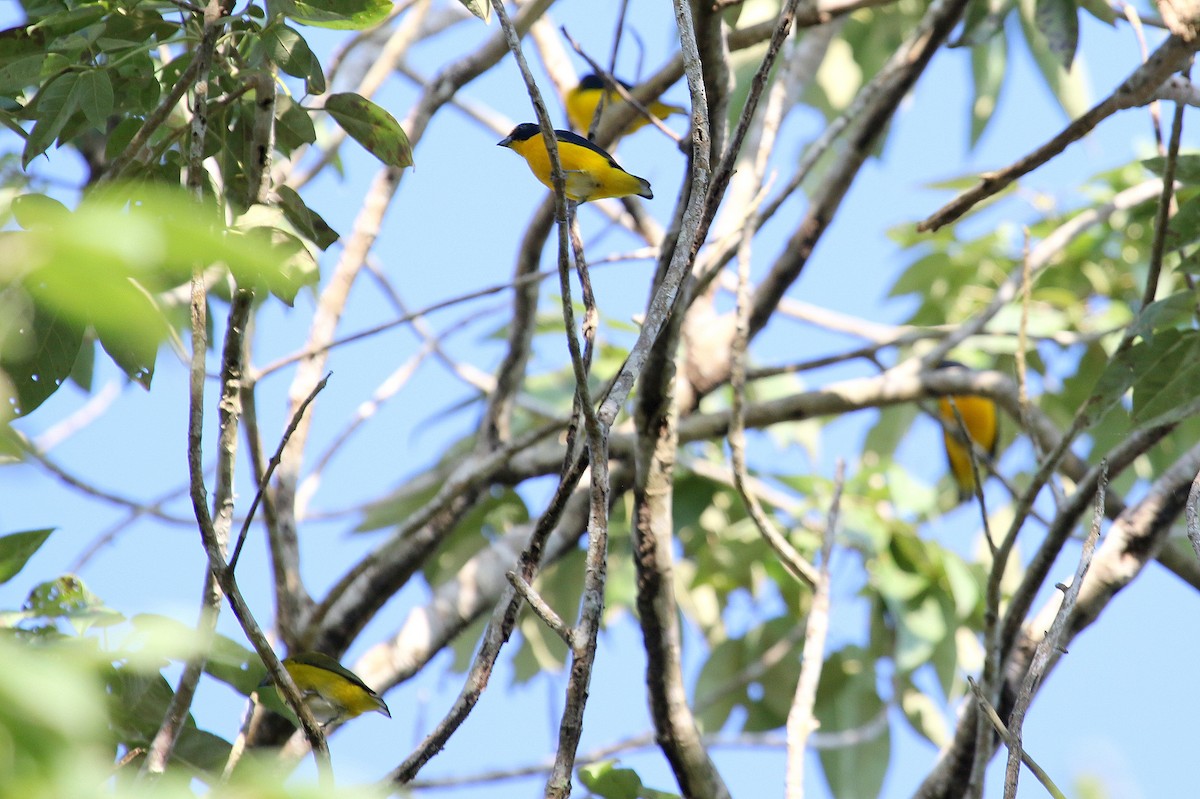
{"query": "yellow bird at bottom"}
[(582, 100), (330, 690), (982, 422), (590, 172)]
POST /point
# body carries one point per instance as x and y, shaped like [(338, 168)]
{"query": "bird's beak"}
[(507, 140)]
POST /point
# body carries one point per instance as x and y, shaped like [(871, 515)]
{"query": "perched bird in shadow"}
[(331, 691), (582, 100), (590, 172)]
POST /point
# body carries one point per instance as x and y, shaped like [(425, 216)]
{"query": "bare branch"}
[(1137, 89), (992, 718), (1048, 647), (543, 610), (265, 480), (801, 722)]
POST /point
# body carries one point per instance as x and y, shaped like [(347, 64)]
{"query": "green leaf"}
[(293, 124), (33, 209), (1175, 312), (480, 8), (307, 222), (17, 548), (162, 637), (51, 708), (201, 752), (291, 52), (1069, 86), (714, 701), (38, 348), (1187, 167), (132, 342), (21, 56), (67, 599), (137, 704), (93, 94), (989, 62), (1058, 22), (337, 14), (1166, 391), (725, 683), (1184, 227), (53, 107), (924, 715), (848, 700), (983, 21), (83, 372), (296, 266), (1100, 10), (604, 778), (1160, 370), (372, 127), (889, 430)]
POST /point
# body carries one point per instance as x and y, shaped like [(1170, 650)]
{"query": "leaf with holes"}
[(38, 348), (372, 127)]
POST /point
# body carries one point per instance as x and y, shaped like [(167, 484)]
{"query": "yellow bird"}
[(581, 104), (330, 690), (982, 422), (590, 172)]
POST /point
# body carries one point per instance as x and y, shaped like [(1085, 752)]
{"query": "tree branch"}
[(1140, 87)]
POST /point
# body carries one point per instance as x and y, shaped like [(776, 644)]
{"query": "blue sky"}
[(1108, 710)]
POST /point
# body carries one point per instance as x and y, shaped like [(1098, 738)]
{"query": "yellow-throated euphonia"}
[(330, 690), (590, 173), (581, 104), (982, 423)]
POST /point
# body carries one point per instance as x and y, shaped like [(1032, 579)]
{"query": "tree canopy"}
[(282, 332)]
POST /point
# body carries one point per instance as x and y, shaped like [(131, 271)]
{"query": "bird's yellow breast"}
[(336, 691), (979, 417), (590, 175)]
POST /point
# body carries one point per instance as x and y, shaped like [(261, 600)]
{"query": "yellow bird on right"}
[(983, 428), (581, 104)]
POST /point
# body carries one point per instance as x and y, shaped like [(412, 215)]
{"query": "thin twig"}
[(1162, 218), (615, 86), (502, 623), (1040, 258), (990, 716), (134, 506), (1193, 515), (583, 651), (213, 544), (265, 481), (543, 610), (792, 560), (801, 722), (1137, 89), (1048, 648), (518, 283), (215, 528), (973, 453)]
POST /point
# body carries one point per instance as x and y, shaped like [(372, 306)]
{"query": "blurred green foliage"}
[(111, 265), (82, 694)]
